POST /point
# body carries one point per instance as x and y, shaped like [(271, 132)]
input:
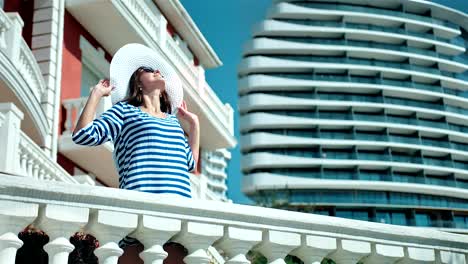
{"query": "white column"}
[(236, 242), (418, 256), (350, 251), (11, 223), (276, 245), (60, 223), (109, 227), (10, 122), (385, 254), (314, 248), (196, 238), (46, 45), (452, 257), (153, 233)]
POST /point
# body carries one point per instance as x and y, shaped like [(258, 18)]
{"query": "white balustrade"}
[(14, 217), (314, 248), (199, 225), (385, 254), (60, 223), (73, 108), (109, 227), (276, 245), (19, 155), (236, 242), (153, 233), (35, 163), (350, 251), (197, 237), (18, 52)]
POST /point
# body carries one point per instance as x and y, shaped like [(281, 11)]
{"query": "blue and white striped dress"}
[(151, 154)]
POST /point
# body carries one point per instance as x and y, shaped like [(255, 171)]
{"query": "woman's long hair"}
[(135, 95)]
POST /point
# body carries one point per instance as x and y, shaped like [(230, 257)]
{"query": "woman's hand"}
[(102, 88), (188, 120)]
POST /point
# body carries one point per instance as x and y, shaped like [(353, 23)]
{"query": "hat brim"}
[(133, 56)]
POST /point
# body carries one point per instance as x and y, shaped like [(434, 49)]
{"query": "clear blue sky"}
[(227, 25)]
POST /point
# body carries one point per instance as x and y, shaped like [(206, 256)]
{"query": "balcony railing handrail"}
[(111, 214), (96, 197)]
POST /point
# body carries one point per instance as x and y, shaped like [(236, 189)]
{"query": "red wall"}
[(25, 8), (71, 70)]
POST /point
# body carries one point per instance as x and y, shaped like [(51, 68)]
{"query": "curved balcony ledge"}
[(258, 64), (263, 181), (277, 28), (291, 10), (261, 82), (258, 102), (264, 120), (266, 140), (21, 80), (267, 160), (264, 46), (200, 224)]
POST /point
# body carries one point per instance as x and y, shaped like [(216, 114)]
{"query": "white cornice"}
[(185, 26)]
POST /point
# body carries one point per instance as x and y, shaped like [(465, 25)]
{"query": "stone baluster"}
[(11, 223), (276, 245), (36, 168), (60, 223), (446, 257), (418, 255), (197, 237), (236, 242), (109, 227), (153, 233), (350, 251), (385, 254), (24, 163), (314, 248)]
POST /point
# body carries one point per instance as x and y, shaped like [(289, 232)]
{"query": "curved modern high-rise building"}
[(358, 109)]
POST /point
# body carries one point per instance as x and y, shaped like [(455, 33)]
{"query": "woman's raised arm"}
[(87, 115)]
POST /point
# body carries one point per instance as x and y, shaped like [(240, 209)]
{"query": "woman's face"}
[(151, 79)]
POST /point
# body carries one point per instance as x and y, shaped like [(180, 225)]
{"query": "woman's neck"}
[(151, 103)]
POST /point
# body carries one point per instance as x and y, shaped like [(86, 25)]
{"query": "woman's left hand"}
[(187, 120)]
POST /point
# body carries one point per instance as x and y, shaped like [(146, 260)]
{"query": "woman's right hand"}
[(102, 88)]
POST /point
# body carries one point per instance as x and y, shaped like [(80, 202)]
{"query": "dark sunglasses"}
[(147, 69)]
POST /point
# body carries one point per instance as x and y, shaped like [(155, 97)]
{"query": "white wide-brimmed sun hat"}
[(133, 56)]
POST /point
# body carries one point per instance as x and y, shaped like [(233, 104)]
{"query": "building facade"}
[(51, 51), (358, 109), (63, 48)]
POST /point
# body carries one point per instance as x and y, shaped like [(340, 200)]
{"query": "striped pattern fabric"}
[(151, 154)]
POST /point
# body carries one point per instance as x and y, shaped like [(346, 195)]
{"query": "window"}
[(94, 66)]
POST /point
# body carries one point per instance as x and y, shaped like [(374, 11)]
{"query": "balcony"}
[(142, 22), (21, 80), (20, 155), (110, 214)]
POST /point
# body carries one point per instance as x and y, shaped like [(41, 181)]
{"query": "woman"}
[(151, 152)]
